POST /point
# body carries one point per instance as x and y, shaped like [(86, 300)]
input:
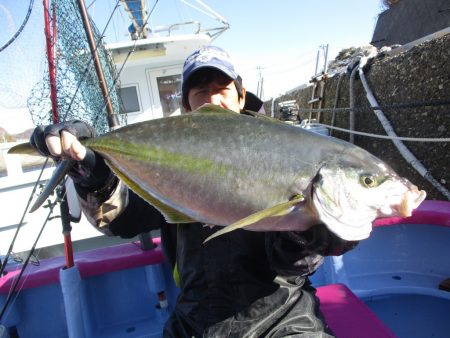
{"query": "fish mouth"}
[(411, 199)]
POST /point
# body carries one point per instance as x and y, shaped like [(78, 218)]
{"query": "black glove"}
[(90, 174)]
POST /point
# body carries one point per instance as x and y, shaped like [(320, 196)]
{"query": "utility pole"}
[(260, 89)]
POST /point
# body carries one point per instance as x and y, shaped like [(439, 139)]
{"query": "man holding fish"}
[(211, 168)]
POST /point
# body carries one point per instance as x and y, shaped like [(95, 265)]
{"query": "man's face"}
[(217, 89)]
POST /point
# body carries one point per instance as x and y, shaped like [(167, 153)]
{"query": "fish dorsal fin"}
[(23, 149), (209, 108), (277, 210), (171, 215)]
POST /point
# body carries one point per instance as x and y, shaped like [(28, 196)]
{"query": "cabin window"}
[(130, 99), (169, 88)]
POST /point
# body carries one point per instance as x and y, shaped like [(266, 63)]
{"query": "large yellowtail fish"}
[(221, 168)]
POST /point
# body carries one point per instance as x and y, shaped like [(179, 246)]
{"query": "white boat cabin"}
[(150, 82)]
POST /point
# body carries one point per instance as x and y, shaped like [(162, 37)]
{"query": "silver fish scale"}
[(219, 167)]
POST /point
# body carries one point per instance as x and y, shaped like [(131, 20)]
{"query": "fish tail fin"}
[(23, 149)]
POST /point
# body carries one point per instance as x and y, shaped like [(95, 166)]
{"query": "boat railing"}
[(196, 25), (16, 169), (176, 26)]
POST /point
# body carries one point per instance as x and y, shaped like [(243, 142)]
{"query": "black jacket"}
[(228, 274)]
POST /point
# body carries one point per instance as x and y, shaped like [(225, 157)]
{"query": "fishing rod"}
[(112, 117), (64, 166), (25, 264), (16, 233), (113, 121), (66, 218), (61, 192)]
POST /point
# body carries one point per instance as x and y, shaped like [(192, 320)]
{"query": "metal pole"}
[(51, 57), (66, 225), (113, 121), (317, 62), (325, 65)]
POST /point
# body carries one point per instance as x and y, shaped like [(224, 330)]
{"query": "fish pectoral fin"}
[(23, 149), (277, 210), (171, 215)]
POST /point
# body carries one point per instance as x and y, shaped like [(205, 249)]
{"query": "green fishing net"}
[(78, 90)]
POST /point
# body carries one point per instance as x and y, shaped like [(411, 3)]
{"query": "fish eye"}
[(368, 181)]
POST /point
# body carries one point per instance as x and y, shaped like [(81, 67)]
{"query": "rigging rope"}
[(386, 137), (14, 37), (414, 104)]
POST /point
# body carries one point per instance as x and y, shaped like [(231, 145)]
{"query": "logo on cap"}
[(206, 54)]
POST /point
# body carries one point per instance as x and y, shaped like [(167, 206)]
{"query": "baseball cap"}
[(212, 57)]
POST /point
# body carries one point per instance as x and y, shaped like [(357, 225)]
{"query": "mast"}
[(113, 121), (137, 13)]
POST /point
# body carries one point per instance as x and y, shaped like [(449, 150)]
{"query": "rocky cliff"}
[(413, 87)]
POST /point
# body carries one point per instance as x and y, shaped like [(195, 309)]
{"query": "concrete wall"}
[(410, 20), (420, 74)]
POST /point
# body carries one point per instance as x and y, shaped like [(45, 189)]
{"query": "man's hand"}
[(61, 140), (66, 145)]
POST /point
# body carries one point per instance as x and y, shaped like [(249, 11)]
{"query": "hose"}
[(404, 151)]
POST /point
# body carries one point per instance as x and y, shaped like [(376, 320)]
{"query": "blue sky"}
[(281, 37)]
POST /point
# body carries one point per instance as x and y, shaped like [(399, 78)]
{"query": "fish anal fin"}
[(277, 210)]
